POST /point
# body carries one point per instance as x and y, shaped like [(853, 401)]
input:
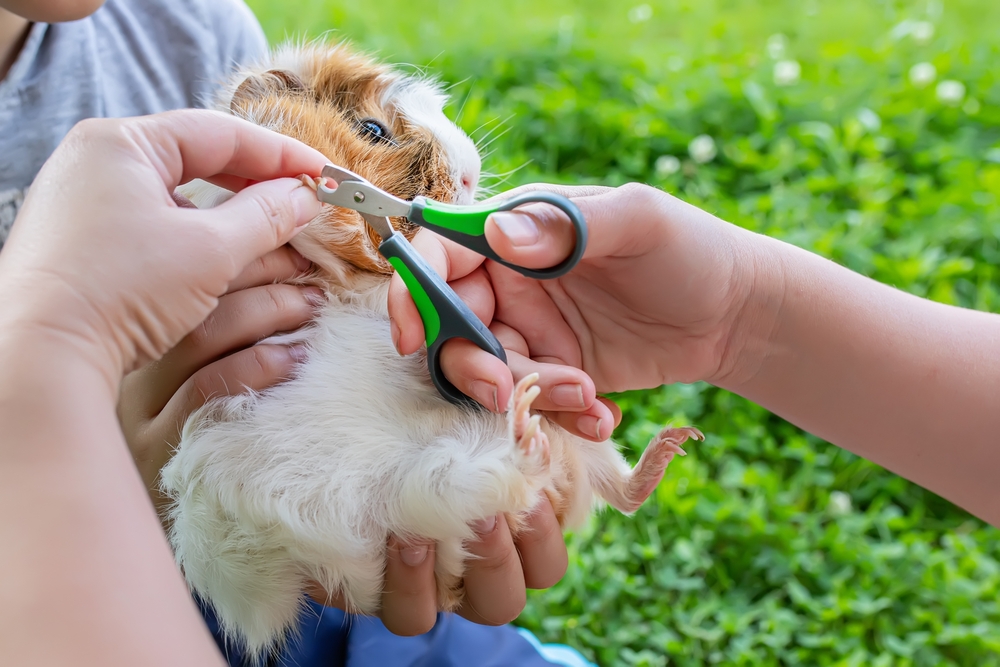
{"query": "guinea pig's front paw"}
[(530, 441)]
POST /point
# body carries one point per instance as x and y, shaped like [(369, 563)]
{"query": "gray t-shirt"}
[(129, 58)]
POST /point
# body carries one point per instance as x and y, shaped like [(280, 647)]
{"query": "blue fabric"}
[(330, 638)]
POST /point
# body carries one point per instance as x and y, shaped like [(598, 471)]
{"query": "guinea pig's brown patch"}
[(333, 102)]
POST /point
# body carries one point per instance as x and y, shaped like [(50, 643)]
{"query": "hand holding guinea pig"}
[(102, 272), (306, 481), (137, 164)]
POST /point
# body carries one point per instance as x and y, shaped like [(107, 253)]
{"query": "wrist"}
[(759, 284), (38, 360), (32, 336)]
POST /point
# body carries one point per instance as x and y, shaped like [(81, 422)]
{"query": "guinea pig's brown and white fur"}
[(306, 481)]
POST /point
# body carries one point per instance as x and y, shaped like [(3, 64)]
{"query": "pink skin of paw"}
[(653, 464)]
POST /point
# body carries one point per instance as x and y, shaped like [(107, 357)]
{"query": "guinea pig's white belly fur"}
[(307, 480)]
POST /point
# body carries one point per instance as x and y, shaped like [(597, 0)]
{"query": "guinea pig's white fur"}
[(306, 481)]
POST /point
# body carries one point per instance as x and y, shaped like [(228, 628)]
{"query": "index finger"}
[(195, 143)]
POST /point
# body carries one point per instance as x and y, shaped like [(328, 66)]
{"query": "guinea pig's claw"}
[(529, 438), (310, 182)]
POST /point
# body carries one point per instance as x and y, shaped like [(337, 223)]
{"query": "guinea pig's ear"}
[(271, 82)]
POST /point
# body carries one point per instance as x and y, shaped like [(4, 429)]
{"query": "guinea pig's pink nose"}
[(469, 182)]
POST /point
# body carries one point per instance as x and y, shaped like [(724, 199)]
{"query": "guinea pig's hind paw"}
[(526, 430), (658, 455)]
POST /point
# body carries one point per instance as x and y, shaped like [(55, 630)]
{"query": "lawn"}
[(868, 132)]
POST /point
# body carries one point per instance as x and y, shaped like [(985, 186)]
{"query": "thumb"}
[(621, 221), (264, 217), (535, 236)]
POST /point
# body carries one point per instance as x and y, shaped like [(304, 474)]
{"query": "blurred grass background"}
[(866, 131)]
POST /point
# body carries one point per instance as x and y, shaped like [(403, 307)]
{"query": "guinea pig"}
[(305, 481)]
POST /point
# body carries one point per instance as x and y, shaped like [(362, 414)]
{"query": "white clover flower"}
[(869, 119), (640, 13), (667, 165), (840, 503), (950, 92), (787, 72), (922, 31), (922, 74), (776, 45), (702, 149)]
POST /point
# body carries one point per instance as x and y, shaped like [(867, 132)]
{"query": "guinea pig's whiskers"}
[(482, 147), (465, 100), (496, 181), (484, 141)]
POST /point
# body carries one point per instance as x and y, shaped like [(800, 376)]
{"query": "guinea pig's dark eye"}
[(373, 131)]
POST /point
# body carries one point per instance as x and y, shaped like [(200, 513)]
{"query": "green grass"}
[(765, 546)]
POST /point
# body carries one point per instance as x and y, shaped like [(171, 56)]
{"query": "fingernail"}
[(590, 425), (314, 296), (307, 206), (413, 556), (301, 263), (567, 395), (519, 229), (486, 393), (394, 332), (298, 352), (485, 526)]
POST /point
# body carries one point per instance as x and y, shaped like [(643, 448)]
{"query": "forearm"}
[(88, 576), (905, 382)]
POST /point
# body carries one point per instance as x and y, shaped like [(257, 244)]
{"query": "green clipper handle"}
[(444, 315), (466, 226)]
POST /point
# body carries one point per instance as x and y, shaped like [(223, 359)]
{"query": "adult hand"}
[(108, 194), (102, 272), (653, 301)]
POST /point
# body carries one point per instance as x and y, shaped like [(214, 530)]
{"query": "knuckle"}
[(504, 563), (276, 214), (205, 387), (284, 299), (259, 267), (636, 192), (268, 362), (201, 336), (89, 127)]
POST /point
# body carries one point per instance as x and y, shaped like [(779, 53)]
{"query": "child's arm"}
[(905, 382), (668, 293)]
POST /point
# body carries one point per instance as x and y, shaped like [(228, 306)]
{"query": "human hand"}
[(496, 576), (218, 358), (655, 300), (169, 265)]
